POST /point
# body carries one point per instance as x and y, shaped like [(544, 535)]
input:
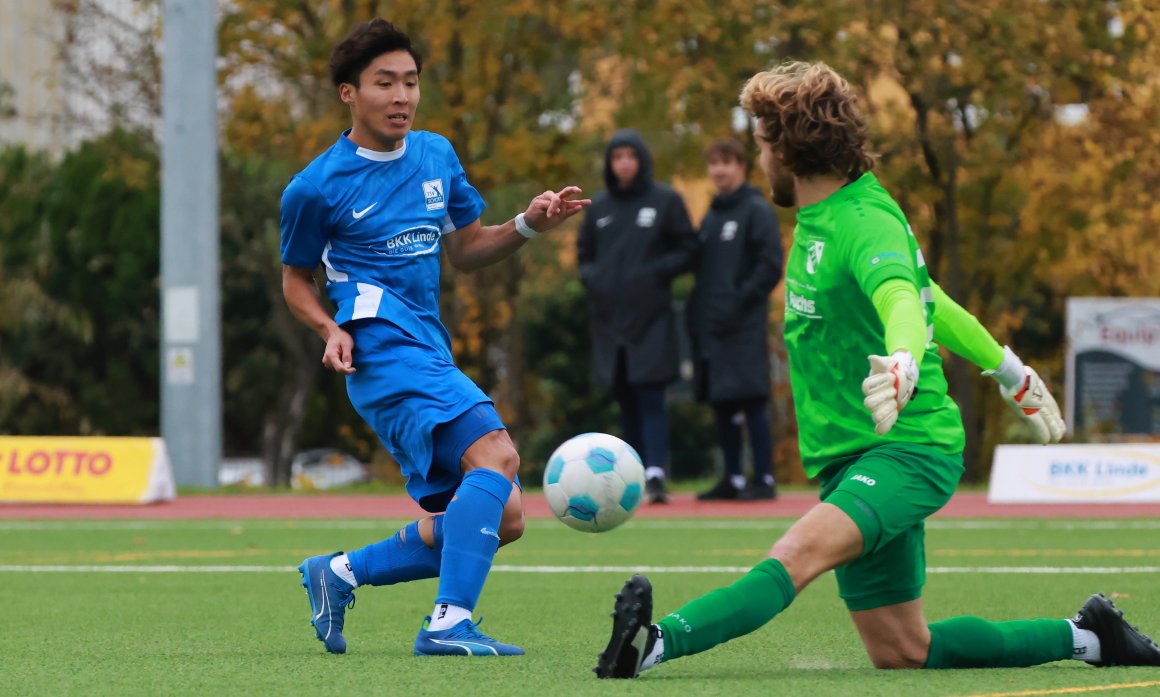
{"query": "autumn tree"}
[(1017, 201), (966, 96), (1020, 138), (496, 82)]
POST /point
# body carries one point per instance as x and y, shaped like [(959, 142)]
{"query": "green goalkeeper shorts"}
[(889, 491)]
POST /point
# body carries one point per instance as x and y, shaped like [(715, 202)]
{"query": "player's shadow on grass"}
[(840, 674)]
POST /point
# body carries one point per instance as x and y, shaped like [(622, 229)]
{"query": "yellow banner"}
[(84, 470)]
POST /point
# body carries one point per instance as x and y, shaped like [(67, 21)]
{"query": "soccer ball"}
[(594, 482)]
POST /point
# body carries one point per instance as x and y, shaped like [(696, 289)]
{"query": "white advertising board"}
[(1107, 473)]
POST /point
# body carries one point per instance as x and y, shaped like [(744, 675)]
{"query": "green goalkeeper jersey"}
[(844, 247)]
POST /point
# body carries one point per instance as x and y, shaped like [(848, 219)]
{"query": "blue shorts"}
[(422, 407), (451, 440)]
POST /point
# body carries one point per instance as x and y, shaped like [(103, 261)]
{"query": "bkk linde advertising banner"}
[(84, 470), (1106, 473)]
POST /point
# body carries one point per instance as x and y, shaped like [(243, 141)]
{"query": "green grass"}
[(247, 633)]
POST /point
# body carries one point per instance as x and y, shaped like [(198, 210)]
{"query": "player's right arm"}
[(302, 297), (1020, 385), (304, 234), (879, 257)]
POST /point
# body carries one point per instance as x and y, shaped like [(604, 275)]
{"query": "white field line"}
[(503, 568)]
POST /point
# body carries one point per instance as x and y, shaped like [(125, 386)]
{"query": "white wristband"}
[(1009, 373), (523, 228)]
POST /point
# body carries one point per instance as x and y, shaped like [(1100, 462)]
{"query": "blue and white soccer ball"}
[(594, 482)]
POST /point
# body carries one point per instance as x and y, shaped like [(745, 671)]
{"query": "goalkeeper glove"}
[(889, 388), (1024, 390)]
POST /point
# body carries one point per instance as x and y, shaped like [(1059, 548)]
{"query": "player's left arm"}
[(476, 246), (1020, 386)]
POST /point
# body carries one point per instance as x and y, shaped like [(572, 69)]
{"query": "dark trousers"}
[(754, 413), (643, 418)]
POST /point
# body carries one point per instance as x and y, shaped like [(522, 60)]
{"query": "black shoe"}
[(633, 634), (655, 490), (1121, 644), (721, 491), (758, 491)]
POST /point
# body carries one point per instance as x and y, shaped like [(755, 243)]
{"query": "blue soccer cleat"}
[(464, 639), (329, 597)]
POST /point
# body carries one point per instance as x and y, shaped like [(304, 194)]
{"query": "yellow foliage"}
[(1015, 209)]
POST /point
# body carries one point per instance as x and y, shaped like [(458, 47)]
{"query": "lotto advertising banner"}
[(1110, 473), (84, 470)]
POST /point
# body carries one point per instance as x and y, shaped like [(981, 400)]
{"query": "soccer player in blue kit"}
[(375, 209)]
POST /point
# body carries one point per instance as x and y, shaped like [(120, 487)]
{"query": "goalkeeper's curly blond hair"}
[(810, 117)]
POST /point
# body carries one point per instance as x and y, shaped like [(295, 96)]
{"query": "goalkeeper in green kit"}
[(887, 448)]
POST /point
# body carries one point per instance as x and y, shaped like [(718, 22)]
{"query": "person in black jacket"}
[(738, 265), (635, 239)]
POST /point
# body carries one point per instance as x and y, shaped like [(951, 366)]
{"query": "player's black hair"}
[(365, 43)]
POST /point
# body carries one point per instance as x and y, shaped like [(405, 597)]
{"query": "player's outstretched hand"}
[(339, 352), (1035, 405), (889, 388), (551, 208)]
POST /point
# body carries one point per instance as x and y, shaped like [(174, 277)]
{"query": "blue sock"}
[(404, 557), (471, 537)]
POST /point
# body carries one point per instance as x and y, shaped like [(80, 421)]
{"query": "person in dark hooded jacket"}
[(635, 239), (737, 266)]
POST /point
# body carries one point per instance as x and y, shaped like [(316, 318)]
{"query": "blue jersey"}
[(375, 221)]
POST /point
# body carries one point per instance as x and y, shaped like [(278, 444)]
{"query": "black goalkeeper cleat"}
[(633, 633), (1121, 644)]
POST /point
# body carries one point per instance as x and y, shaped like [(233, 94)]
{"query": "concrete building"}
[(72, 71)]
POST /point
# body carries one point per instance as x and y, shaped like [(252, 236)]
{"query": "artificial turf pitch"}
[(77, 622)]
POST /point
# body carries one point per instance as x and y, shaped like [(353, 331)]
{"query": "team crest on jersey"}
[(646, 217), (729, 230), (814, 255), (433, 192)]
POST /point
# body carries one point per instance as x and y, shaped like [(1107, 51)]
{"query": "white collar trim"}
[(380, 156)]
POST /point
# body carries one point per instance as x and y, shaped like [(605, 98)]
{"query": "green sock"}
[(970, 642), (728, 612)]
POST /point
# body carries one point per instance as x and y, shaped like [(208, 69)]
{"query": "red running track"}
[(963, 505)]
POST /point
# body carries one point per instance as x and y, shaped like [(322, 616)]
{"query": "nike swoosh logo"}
[(329, 623), (322, 582), (489, 532), (359, 214), (465, 645)]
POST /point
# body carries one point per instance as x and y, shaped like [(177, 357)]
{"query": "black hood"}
[(643, 180)]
